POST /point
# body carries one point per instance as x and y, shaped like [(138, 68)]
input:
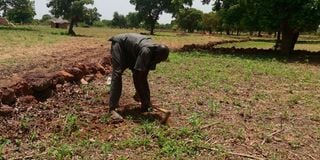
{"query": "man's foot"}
[(136, 97), (115, 117)]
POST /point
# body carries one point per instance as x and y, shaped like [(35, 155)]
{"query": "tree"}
[(149, 12), (210, 21), (291, 17), (119, 20), (74, 10), (21, 11), (288, 17), (5, 6), (133, 20), (189, 19), (91, 15), (45, 18)]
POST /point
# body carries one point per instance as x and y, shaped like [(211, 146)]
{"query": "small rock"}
[(200, 103), (84, 82), (89, 78)]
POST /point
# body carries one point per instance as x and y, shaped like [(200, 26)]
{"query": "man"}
[(140, 54)]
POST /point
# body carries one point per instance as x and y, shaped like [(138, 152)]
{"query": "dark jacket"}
[(136, 51)]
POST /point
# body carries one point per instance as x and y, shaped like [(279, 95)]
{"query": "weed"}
[(295, 144), (123, 158), (214, 107), (105, 118), (260, 96), (135, 142), (241, 134), (220, 152), (3, 143), (24, 124), (195, 120), (33, 136), (106, 148), (70, 124), (62, 152), (286, 115)]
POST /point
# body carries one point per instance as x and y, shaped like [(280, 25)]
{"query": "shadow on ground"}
[(133, 112)]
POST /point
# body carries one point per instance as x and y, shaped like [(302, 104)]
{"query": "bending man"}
[(140, 54)]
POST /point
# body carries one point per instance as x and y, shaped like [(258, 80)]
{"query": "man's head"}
[(161, 53)]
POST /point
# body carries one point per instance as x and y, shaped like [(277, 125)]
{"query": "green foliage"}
[(91, 16), (106, 148), (70, 124), (189, 19), (211, 22), (133, 20), (21, 11), (149, 12), (3, 143), (4, 6), (119, 20), (74, 10), (62, 152), (45, 18)]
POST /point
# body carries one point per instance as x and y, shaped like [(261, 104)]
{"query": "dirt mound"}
[(209, 46), (41, 86)]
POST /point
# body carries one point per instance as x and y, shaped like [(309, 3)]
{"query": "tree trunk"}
[(228, 32), (153, 25), (278, 41), (289, 39), (259, 34), (71, 32)]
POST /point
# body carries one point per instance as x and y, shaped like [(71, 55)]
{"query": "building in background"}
[(59, 23)]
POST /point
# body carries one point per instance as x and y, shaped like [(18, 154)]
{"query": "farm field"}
[(30, 49), (223, 106)]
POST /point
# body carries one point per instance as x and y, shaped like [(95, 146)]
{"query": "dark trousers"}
[(117, 70)]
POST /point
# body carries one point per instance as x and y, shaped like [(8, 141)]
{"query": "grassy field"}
[(267, 45), (26, 47), (223, 106)]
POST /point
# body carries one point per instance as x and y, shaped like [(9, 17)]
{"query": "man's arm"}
[(141, 84)]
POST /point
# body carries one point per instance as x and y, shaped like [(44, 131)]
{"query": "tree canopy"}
[(189, 19), (149, 12), (288, 17), (91, 15), (118, 20), (21, 11), (73, 10)]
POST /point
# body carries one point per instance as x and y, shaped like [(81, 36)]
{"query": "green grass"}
[(29, 36), (269, 45)]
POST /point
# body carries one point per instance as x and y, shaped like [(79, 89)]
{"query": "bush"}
[(98, 24)]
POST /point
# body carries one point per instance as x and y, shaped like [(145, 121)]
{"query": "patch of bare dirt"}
[(53, 58)]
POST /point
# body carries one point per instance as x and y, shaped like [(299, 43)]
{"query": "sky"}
[(107, 7)]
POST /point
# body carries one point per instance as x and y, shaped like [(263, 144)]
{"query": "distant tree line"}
[(286, 18)]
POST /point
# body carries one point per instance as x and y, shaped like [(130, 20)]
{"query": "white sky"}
[(108, 7)]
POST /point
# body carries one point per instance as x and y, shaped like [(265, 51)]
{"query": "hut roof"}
[(59, 20)]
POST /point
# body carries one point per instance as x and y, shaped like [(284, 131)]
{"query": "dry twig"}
[(238, 154), (209, 125), (271, 135)]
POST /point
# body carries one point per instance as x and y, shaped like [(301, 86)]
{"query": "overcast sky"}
[(108, 7)]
